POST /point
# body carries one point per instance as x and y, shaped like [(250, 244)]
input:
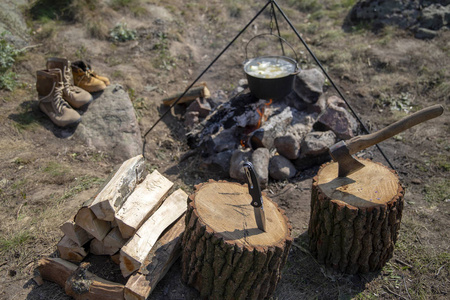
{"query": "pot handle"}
[(277, 36)]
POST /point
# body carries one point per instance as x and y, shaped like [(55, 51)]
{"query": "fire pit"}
[(280, 137)]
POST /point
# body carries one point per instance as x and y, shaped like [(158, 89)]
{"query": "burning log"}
[(355, 219), (225, 255)]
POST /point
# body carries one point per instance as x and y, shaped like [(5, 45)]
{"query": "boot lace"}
[(68, 81), (60, 103)]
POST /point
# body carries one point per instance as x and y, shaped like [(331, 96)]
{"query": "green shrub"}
[(120, 33), (8, 53)]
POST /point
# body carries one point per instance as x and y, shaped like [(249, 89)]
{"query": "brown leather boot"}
[(77, 97), (94, 74), (85, 79), (49, 86)]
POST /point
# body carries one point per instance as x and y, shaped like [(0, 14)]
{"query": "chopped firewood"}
[(142, 203), (162, 256), (200, 91), (99, 248), (133, 254), (116, 258), (86, 219), (116, 191), (75, 233), (69, 250), (114, 238), (77, 281)]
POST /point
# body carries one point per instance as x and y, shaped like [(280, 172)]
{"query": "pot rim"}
[(291, 60)]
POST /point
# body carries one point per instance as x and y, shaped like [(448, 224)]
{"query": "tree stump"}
[(355, 219), (225, 255)]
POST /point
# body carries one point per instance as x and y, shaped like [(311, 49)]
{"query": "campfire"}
[(280, 136)]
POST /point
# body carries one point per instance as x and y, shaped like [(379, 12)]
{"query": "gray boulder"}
[(110, 125)]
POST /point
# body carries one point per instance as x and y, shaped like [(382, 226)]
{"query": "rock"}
[(380, 12), (260, 159), (191, 119), (272, 128), (305, 162), (335, 100), (317, 143), (281, 168), (110, 124), (201, 106), (319, 106), (288, 145), (236, 164), (425, 34), (219, 163), (308, 85), (339, 120), (433, 17)]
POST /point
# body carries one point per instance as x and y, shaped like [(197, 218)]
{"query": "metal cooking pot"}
[(271, 77)]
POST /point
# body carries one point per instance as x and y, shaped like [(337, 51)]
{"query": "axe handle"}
[(359, 143)]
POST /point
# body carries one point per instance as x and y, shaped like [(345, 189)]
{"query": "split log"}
[(87, 220), (75, 233), (69, 250), (355, 220), (77, 282), (114, 239), (100, 248), (142, 203), (162, 256), (200, 91), (225, 255), (116, 191), (133, 254)]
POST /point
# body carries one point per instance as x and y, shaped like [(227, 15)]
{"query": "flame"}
[(261, 120)]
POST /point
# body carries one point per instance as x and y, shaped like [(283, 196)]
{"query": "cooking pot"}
[(271, 77)]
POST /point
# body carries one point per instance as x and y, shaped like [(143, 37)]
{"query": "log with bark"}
[(118, 188), (225, 255), (199, 91), (134, 252), (78, 282), (162, 256), (355, 219)]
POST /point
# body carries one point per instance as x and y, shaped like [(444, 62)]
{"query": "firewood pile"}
[(136, 221)]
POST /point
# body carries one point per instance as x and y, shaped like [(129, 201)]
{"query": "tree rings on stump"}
[(355, 219), (225, 255)]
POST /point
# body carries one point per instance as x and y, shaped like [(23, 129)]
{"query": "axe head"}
[(346, 163)]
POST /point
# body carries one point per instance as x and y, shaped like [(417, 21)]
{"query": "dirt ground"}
[(44, 178)]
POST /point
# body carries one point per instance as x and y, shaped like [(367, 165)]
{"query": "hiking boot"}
[(94, 74), (50, 86), (74, 95), (84, 79)]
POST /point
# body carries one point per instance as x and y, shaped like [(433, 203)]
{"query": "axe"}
[(342, 151)]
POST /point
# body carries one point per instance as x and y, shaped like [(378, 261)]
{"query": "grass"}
[(8, 55), (438, 191), (83, 183), (14, 241)]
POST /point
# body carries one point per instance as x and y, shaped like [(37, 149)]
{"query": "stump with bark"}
[(225, 255), (355, 219)]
